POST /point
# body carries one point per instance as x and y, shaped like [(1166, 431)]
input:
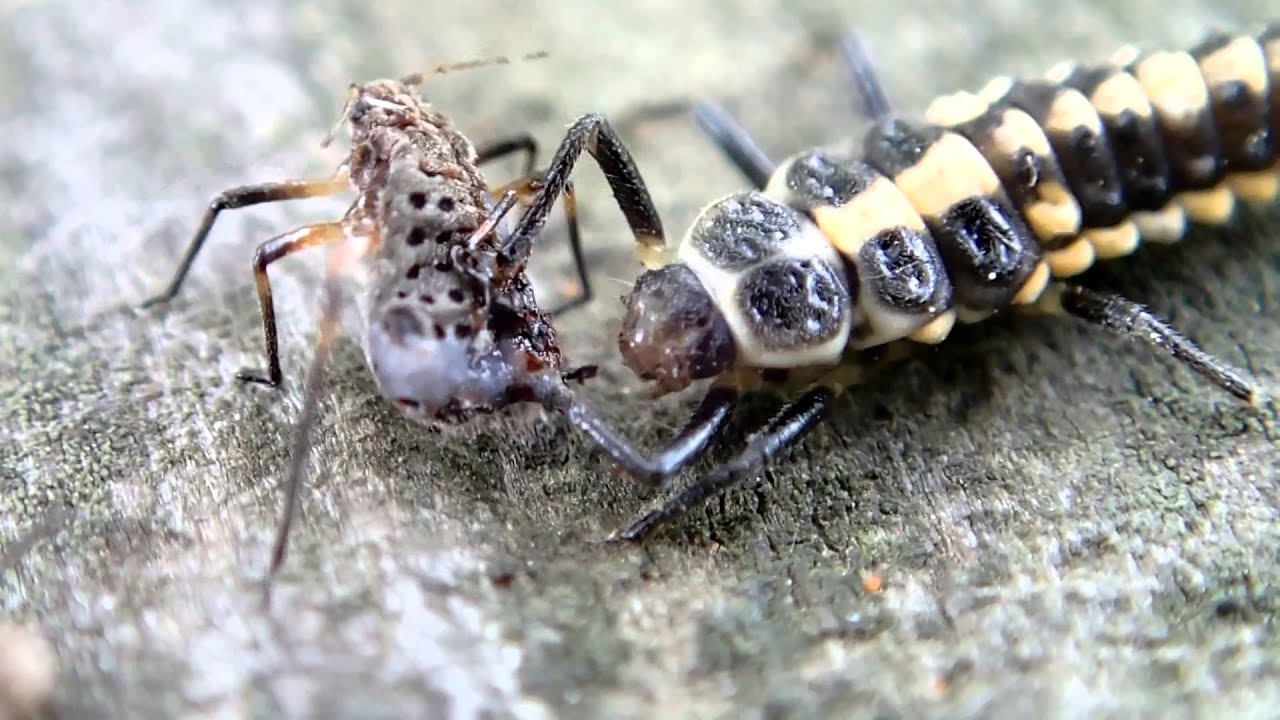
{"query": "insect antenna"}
[(353, 92), (420, 77)]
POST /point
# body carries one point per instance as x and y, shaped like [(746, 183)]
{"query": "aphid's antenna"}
[(353, 92), (419, 78), (341, 259), (873, 102)]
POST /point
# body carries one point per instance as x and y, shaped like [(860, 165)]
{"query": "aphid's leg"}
[(592, 133), (734, 141), (1131, 320), (873, 102), (268, 252), (528, 188), (782, 433), (585, 293), (331, 306), (243, 197), (689, 444), (524, 142)]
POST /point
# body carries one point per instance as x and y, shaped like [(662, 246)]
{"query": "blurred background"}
[(1036, 520)]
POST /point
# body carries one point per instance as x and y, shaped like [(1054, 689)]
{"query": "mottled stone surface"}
[(1064, 525)]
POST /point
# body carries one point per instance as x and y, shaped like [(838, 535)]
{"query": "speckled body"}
[(986, 201), (451, 328)]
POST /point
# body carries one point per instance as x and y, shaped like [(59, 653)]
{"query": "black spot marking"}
[(418, 200), (1022, 172), (820, 178), (894, 145), (439, 331), (444, 237), (904, 270), (987, 251), (416, 237), (401, 324), (413, 271), (1241, 117), (792, 304), (1192, 148), (744, 229), (1083, 155), (462, 330), (428, 299), (456, 295), (1136, 144), (446, 204)]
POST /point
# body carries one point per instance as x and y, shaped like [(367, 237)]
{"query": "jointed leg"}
[(592, 133), (269, 252), (782, 433), (243, 197), (524, 142), (866, 85), (585, 293), (527, 188), (1131, 320), (331, 306), (689, 444), (735, 141)]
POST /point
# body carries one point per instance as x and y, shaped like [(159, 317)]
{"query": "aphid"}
[(452, 326), (840, 260)]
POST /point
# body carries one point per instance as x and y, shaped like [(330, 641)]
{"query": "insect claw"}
[(152, 302), (253, 376), (580, 374)]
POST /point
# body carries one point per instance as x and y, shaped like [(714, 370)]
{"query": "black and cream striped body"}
[(994, 194)]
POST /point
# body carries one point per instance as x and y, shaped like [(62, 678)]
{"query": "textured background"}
[(1064, 524)]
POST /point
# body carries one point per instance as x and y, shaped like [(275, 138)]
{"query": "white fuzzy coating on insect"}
[(432, 372), (724, 287)]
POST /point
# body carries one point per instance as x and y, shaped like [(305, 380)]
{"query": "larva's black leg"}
[(782, 433), (707, 420), (690, 443), (524, 142), (873, 102), (269, 252), (734, 141), (1131, 320), (243, 197), (331, 306), (592, 133)]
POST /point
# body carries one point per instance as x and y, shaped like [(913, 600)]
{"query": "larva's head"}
[(673, 333)]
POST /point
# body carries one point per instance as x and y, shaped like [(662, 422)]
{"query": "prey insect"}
[(452, 327), (841, 260)]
